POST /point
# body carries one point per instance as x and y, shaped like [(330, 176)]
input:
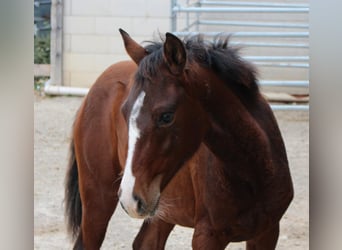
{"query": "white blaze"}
[(128, 180)]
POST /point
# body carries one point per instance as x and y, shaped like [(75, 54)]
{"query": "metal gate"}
[(276, 32)]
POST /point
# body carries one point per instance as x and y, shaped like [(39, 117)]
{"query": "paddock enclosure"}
[(274, 34), (53, 120)]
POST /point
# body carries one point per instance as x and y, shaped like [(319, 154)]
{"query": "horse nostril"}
[(140, 205)]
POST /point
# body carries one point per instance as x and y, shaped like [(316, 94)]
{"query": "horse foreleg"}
[(205, 237), (265, 241), (153, 235)]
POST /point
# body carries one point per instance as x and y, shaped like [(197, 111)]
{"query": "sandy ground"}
[(53, 121)]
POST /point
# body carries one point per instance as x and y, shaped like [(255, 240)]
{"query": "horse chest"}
[(229, 202)]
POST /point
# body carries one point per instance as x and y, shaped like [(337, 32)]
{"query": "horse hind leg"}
[(266, 241), (99, 201), (90, 202), (93, 227), (97, 211), (153, 235)]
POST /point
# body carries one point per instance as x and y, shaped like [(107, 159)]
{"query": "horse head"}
[(165, 125)]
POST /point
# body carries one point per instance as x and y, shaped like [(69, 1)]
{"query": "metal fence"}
[(191, 17)]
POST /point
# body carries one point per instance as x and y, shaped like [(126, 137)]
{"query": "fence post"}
[(173, 16), (56, 50)]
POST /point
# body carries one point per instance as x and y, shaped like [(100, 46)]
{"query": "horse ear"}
[(174, 54), (134, 50)]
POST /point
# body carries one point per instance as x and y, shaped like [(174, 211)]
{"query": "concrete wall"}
[(91, 38)]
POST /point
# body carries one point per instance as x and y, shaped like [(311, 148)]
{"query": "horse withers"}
[(179, 135)]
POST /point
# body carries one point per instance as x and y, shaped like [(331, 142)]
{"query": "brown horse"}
[(181, 135)]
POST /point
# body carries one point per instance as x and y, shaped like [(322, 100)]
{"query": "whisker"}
[(164, 208)]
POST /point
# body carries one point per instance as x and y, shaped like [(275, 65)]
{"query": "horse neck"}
[(234, 135)]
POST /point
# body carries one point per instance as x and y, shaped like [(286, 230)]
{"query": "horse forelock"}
[(150, 65)]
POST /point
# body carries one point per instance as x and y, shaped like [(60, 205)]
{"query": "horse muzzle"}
[(136, 207)]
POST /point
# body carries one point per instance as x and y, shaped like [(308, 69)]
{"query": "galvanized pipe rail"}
[(284, 83), (268, 44), (290, 107), (278, 58), (284, 34), (299, 33), (254, 24), (239, 10), (283, 65), (254, 4)]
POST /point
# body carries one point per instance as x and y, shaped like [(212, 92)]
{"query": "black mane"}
[(217, 55)]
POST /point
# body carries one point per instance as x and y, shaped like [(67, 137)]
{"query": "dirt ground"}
[(53, 120)]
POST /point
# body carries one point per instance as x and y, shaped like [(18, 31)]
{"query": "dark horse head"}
[(165, 125)]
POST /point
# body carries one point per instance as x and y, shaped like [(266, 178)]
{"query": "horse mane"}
[(218, 55)]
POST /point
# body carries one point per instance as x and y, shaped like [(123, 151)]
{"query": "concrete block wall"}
[(91, 38), (92, 41)]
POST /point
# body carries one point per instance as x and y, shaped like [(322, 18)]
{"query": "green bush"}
[(39, 83), (42, 50)]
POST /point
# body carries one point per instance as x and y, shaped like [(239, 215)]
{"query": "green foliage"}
[(42, 50), (39, 84)]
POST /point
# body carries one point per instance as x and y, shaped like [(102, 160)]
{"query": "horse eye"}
[(165, 118)]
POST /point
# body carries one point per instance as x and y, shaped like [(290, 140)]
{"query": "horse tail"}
[(72, 199)]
